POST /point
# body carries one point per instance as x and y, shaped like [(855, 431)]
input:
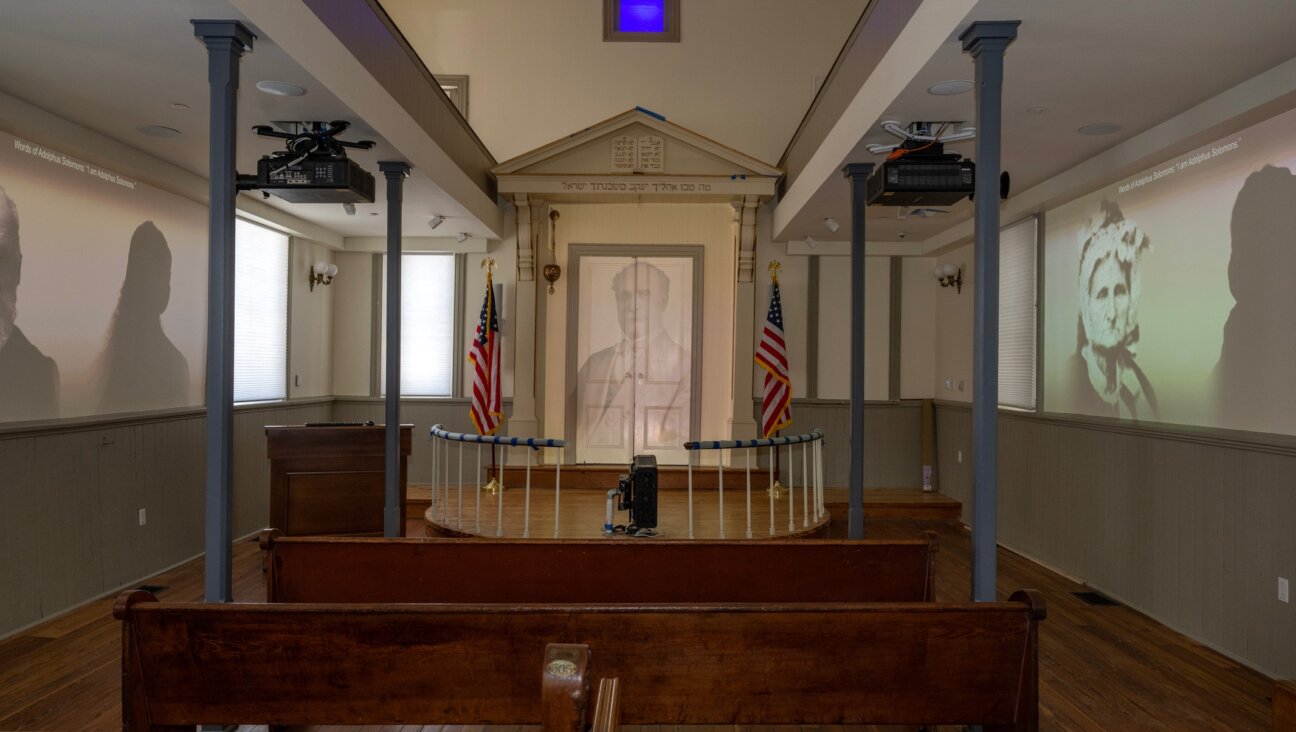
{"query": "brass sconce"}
[(321, 273), (949, 276), (552, 272)]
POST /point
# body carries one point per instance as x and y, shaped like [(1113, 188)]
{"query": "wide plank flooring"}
[(1101, 668)]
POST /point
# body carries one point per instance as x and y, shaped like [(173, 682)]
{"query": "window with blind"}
[(260, 313), (428, 349), (1017, 311)]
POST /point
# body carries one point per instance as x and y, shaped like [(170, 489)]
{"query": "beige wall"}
[(919, 292), (953, 350), (835, 327), (353, 306), (310, 330), (566, 38)]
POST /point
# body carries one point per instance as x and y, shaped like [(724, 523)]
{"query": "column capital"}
[(393, 169), (858, 171), (221, 30), (988, 35)]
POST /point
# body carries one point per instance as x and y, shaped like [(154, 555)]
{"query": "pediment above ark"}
[(636, 154)]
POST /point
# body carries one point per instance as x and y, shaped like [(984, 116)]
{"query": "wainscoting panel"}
[(892, 441), (70, 496), (1191, 529)]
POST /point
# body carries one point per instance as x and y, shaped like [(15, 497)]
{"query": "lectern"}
[(328, 479)]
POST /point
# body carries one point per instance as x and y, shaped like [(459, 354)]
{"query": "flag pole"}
[(777, 489), (493, 485)]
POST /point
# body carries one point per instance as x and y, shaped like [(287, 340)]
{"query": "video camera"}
[(637, 493)]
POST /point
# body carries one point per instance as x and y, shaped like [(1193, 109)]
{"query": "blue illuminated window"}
[(641, 16), (641, 20)]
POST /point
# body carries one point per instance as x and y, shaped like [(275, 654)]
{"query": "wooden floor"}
[(1101, 668)]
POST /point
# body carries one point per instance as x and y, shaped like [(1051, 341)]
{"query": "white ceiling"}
[(116, 66), (1132, 63), (743, 76)]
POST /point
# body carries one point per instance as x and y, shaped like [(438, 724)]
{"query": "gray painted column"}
[(395, 171), (986, 42), (226, 40), (858, 174)]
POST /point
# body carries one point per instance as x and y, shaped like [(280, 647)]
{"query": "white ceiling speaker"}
[(436, 221), (832, 225)]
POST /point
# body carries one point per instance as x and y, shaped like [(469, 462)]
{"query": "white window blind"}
[(1017, 315), (427, 325), (260, 313)]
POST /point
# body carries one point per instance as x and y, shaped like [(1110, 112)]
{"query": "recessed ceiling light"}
[(1036, 110), (158, 131), (950, 88), (280, 88), (180, 106), (1099, 128)]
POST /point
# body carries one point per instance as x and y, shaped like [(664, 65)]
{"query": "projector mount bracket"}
[(920, 134)]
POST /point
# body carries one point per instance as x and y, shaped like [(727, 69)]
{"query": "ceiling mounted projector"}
[(314, 167)]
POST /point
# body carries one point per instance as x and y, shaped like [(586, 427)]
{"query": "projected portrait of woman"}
[(1103, 376), (1253, 379), (141, 368)]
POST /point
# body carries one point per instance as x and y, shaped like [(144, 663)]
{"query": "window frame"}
[(378, 362), (612, 16), (1034, 330), (287, 326)]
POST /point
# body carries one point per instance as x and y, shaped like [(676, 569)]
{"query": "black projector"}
[(315, 180), (926, 180)]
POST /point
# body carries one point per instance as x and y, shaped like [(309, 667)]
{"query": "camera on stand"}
[(636, 493)]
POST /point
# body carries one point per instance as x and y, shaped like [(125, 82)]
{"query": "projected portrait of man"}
[(141, 368), (29, 380), (647, 372), (1253, 378), (1104, 378)]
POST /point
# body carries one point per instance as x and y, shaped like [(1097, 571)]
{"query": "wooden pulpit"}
[(328, 479)]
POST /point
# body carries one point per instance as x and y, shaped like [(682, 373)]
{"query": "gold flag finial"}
[(488, 264), (774, 268)]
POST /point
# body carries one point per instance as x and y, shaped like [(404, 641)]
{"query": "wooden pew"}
[(189, 664), (319, 569), (803, 663)]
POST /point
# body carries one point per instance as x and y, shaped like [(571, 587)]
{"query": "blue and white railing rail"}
[(811, 454), (441, 439)]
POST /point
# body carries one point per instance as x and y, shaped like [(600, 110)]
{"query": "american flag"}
[(771, 355), (485, 358)]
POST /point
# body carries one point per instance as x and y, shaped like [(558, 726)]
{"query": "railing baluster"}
[(690, 492), (805, 488), (562, 454), (749, 530)]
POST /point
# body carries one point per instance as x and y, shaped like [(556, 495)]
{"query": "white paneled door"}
[(633, 354)]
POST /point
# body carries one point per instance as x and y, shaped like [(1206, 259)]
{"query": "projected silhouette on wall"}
[(140, 366), (1102, 376), (1253, 376), (29, 380), (636, 392)]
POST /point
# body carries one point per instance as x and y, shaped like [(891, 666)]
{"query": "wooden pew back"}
[(893, 663), (187, 664), (310, 569)]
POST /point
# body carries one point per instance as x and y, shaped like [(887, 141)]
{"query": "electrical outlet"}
[(143, 517), (1282, 589), (960, 385), (960, 456)]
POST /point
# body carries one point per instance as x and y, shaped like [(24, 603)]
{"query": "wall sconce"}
[(949, 276), (552, 271), (322, 273)]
